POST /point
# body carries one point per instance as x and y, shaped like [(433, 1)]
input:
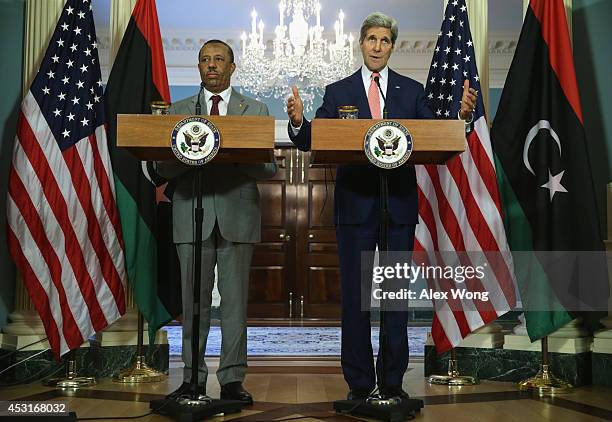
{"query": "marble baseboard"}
[(510, 365), (602, 369), (109, 361), (38, 366), (92, 361)]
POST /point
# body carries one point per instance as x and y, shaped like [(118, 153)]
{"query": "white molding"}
[(555, 345)]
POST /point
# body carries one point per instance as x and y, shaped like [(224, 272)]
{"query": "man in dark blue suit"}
[(356, 197)]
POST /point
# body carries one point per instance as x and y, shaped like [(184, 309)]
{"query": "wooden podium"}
[(244, 139), (340, 141)]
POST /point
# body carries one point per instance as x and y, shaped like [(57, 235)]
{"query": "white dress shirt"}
[(225, 95)]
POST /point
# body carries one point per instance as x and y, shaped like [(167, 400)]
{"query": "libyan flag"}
[(545, 178), (137, 78)]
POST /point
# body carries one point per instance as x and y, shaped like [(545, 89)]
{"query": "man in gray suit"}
[(232, 224)]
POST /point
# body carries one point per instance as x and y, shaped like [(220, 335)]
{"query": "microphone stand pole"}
[(194, 406), (380, 406)]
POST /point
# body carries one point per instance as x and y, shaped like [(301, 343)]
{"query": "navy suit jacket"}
[(357, 186)]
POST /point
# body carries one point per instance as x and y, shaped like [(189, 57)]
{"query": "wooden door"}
[(295, 271), (273, 265), (318, 275)]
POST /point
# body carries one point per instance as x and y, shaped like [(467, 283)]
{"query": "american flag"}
[(459, 202), (63, 225)]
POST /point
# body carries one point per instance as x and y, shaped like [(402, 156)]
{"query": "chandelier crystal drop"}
[(300, 55)]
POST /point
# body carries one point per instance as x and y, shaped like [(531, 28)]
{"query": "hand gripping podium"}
[(342, 141), (243, 139)]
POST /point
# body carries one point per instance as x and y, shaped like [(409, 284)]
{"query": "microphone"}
[(385, 114), (198, 107)]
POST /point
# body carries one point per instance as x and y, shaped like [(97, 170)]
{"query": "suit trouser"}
[(233, 265), (356, 355)]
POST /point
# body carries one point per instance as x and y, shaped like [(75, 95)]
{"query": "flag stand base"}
[(453, 377), (545, 383), (72, 383), (139, 372), (71, 380)]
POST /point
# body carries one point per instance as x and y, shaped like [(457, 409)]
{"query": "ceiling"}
[(235, 15)]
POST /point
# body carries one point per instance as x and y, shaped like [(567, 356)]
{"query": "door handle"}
[(303, 168), (290, 305), (291, 166), (297, 164), (301, 307)]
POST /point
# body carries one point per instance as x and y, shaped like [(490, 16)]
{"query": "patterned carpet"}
[(293, 341)]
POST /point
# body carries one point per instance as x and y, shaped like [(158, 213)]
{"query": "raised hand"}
[(295, 108), (468, 101)]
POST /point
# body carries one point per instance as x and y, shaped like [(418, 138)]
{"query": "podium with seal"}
[(197, 141), (243, 139), (341, 141), (386, 144)]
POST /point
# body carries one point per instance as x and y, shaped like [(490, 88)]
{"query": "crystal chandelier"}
[(300, 56)]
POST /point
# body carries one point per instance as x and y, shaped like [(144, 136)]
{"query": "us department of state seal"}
[(195, 140), (388, 144)]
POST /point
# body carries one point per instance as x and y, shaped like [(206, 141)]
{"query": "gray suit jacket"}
[(230, 192)]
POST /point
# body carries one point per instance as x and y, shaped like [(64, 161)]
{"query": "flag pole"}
[(139, 372), (545, 382), (454, 377), (71, 380)]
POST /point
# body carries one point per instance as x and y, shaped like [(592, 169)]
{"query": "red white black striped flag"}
[(547, 180)]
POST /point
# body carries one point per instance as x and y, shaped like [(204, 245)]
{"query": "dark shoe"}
[(396, 391), (358, 394), (184, 389), (235, 391)]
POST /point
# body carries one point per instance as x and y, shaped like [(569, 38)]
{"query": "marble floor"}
[(285, 388)]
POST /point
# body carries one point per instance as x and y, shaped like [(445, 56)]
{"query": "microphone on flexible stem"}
[(377, 80), (198, 107)]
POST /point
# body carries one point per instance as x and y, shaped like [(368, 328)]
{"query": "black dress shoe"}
[(235, 391), (358, 394), (184, 389), (396, 391)]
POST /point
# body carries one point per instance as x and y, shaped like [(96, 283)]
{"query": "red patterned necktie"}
[(214, 110), (374, 97)]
